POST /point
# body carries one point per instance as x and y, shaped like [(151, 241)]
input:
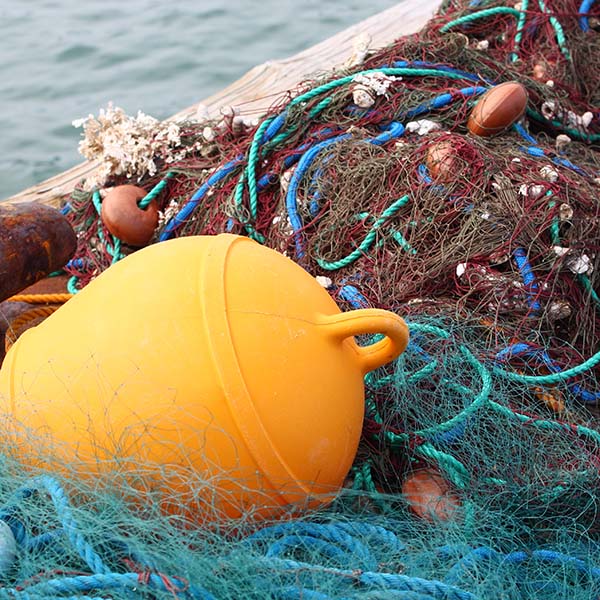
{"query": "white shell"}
[(363, 96), (549, 174)]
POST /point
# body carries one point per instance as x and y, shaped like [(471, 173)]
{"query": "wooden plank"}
[(258, 88)]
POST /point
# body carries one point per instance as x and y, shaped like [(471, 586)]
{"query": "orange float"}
[(429, 495), (211, 371), (125, 219)]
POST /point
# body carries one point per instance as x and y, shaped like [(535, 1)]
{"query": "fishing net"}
[(478, 472)]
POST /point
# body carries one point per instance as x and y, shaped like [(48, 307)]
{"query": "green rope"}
[(482, 14), (251, 168), (456, 471), (253, 154), (364, 246), (520, 27), (587, 284), (97, 202), (580, 430), (560, 377), (432, 329), (403, 243), (115, 249), (558, 30), (155, 191), (72, 284), (480, 400), (573, 133)]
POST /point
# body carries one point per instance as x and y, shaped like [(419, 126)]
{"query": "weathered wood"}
[(257, 89)]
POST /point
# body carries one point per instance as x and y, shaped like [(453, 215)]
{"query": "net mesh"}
[(478, 471)]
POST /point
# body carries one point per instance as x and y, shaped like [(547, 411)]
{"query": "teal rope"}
[(558, 30), (97, 202), (559, 377), (480, 400), (481, 14), (573, 133), (251, 168), (587, 284), (155, 191), (253, 154), (314, 112), (364, 246), (580, 430), (456, 471), (520, 27), (72, 284), (403, 243)]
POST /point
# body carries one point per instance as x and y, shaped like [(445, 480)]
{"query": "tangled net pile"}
[(493, 256)]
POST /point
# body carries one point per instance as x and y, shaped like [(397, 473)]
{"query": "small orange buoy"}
[(429, 495), (498, 109), (441, 160), (125, 219)]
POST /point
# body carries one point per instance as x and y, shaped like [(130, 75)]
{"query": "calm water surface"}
[(63, 59)]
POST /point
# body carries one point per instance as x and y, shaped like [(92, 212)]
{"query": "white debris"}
[(565, 212), (164, 216), (422, 126), (460, 269), (560, 250), (483, 45), (559, 309), (379, 83), (549, 174), (562, 141), (579, 264), (533, 191), (551, 110), (360, 50), (202, 113), (324, 281), (208, 133), (285, 179)]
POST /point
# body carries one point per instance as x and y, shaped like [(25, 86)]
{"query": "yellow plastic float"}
[(211, 370)]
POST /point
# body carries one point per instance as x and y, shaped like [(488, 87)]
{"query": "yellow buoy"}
[(211, 370)]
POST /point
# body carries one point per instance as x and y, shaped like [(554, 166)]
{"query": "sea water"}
[(61, 60)]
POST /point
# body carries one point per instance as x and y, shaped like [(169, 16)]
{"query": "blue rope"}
[(290, 198), (584, 8), (102, 578), (443, 100), (529, 280), (476, 555), (109, 582), (191, 204), (351, 294), (526, 349), (539, 152), (70, 527), (374, 580)]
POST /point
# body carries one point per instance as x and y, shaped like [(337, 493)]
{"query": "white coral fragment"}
[(125, 145), (377, 82)]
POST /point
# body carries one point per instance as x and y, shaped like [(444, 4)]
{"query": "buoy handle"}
[(371, 320)]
